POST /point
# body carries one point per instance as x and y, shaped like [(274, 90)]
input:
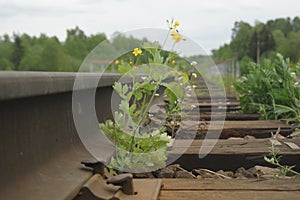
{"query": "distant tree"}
[(282, 24), (5, 64), (53, 57), (241, 37), (6, 47), (76, 43), (94, 40), (31, 61), (122, 42), (18, 52), (296, 24), (261, 42), (290, 47), (223, 53)]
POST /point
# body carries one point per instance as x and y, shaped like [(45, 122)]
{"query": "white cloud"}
[(208, 22)]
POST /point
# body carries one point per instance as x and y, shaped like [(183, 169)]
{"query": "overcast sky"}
[(208, 22)]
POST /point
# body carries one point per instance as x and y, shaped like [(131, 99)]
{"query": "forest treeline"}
[(248, 43), (261, 41), (44, 53)]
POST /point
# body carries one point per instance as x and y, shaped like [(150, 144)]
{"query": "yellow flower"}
[(176, 23), (137, 52), (131, 63), (173, 62), (117, 62), (176, 36)]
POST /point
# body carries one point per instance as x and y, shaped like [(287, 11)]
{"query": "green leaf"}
[(175, 88), (124, 68), (269, 160), (138, 94), (124, 106), (132, 109), (119, 118), (185, 77), (122, 90), (125, 89), (148, 88), (118, 87), (152, 48), (157, 58), (280, 109)]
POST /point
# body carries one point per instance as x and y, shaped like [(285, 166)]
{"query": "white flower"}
[(180, 83), (296, 84), (194, 86), (156, 94), (150, 115), (194, 75), (293, 74), (188, 87), (193, 63), (144, 77), (155, 132), (165, 137), (193, 106)]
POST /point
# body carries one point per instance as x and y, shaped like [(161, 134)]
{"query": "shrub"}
[(271, 89)]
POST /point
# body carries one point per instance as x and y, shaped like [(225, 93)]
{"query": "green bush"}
[(271, 89)]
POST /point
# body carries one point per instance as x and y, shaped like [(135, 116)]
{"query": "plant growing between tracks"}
[(284, 170), (140, 147), (271, 89)]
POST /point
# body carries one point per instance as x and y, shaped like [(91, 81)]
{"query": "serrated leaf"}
[(157, 58), (124, 106), (118, 87), (124, 68), (125, 89), (119, 117)]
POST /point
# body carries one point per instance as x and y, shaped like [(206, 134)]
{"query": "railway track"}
[(243, 142), (42, 153)]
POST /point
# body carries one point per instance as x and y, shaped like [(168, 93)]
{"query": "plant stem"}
[(274, 153), (165, 41), (167, 59), (143, 116)]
